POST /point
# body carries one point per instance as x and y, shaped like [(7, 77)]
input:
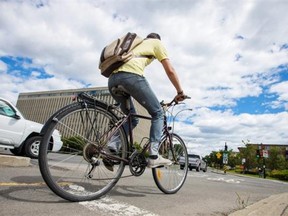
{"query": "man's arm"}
[(172, 75)]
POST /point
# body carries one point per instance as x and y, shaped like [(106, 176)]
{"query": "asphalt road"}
[(23, 192)]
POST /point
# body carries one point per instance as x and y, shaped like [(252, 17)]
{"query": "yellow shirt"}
[(149, 47)]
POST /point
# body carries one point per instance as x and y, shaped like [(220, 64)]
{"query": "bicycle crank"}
[(137, 163)]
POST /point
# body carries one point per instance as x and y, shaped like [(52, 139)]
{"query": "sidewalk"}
[(11, 160), (275, 205), (14, 161)]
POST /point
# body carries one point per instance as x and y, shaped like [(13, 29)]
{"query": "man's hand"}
[(180, 97)]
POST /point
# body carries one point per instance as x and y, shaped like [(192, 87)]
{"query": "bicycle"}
[(78, 171)]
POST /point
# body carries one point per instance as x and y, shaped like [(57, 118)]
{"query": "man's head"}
[(154, 35)]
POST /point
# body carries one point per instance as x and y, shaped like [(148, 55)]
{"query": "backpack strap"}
[(144, 56)]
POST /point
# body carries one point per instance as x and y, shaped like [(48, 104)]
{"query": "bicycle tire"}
[(67, 172), (169, 179)]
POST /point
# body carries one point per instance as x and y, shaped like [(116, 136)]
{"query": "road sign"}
[(218, 155), (225, 158), (265, 153)]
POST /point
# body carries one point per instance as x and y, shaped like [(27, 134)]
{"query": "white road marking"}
[(236, 181), (113, 207), (206, 175), (197, 175)]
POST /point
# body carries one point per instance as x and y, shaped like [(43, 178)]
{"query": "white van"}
[(20, 135)]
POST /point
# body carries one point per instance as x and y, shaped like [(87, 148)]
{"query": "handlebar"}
[(173, 102)]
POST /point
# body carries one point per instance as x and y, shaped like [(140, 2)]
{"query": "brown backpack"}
[(117, 53)]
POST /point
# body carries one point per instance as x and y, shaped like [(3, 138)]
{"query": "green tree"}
[(276, 160), (233, 159), (249, 154), (212, 159)]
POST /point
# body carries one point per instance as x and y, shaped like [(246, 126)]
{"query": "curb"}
[(273, 205), (14, 161)]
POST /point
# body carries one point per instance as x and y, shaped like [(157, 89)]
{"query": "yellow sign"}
[(218, 155)]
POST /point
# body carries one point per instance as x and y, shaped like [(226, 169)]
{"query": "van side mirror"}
[(16, 116)]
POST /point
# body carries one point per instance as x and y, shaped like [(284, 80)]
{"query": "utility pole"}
[(264, 162)]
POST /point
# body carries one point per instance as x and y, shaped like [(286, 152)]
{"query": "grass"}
[(252, 175)]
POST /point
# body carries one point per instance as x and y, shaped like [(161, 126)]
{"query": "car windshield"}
[(5, 109), (193, 156)]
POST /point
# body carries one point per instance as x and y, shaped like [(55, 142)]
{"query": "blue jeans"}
[(138, 88)]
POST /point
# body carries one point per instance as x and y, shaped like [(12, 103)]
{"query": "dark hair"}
[(154, 35)]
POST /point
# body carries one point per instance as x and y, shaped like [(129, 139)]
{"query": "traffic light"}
[(258, 153), (226, 148)]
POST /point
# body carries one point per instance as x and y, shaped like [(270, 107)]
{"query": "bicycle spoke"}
[(169, 179), (79, 171)]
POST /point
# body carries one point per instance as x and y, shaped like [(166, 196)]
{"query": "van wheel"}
[(17, 151), (32, 146)]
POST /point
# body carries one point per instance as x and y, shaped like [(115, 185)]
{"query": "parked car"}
[(19, 135), (195, 162)]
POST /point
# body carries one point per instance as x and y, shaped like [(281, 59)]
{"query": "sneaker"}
[(108, 164), (160, 161)]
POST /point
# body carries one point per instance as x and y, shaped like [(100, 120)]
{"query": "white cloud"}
[(280, 89), (211, 129), (3, 67), (222, 50)]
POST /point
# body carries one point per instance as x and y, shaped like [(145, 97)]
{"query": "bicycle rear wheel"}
[(78, 172), (169, 179)]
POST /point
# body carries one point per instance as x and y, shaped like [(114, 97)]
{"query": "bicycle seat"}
[(119, 90)]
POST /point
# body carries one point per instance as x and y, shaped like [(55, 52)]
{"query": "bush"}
[(239, 169), (279, 174), (73, 143)]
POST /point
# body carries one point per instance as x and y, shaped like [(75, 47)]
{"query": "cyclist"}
[(130, 76)]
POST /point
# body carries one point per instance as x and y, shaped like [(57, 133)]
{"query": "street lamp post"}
[(189, 109)]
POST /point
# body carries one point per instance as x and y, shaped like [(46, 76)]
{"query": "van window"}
[(6, 110)]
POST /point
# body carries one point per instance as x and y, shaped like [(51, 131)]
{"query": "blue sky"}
[(23, 67), (262, 103), (231, 57)]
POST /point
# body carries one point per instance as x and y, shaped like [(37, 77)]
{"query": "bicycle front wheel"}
[(81, 170), (169, 179)]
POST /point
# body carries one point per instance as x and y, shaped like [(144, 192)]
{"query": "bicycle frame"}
[(91, 169), (128, 118)]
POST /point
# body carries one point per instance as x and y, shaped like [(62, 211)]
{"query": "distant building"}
[(39, 106)]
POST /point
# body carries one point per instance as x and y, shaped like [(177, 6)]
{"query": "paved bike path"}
[(275, 205)]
